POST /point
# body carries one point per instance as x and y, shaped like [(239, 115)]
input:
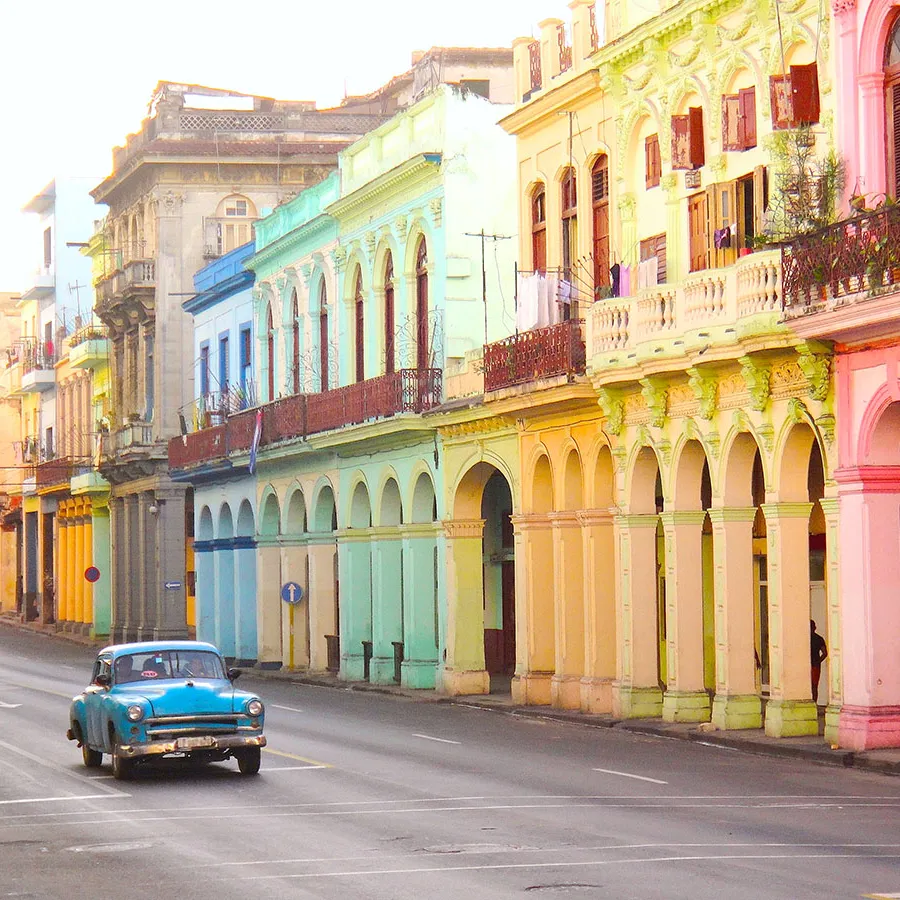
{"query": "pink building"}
[(843, 285)]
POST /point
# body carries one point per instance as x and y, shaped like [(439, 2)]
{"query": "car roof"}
[(152, 646)]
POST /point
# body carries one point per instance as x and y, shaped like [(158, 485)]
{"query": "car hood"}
[(174, 697)]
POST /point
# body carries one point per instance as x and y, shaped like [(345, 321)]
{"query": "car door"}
[(93, 697)]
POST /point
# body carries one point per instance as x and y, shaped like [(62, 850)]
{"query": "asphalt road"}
[(371, 796)]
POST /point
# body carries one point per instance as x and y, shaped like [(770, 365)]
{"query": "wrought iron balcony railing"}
[(532, 355)]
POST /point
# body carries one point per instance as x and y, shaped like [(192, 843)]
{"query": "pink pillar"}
[(870, 571), (871, 133), (845, 56)]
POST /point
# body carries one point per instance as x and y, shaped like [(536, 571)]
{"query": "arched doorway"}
[(245, 586)]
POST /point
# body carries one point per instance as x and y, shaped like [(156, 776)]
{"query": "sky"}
[(75, 78)]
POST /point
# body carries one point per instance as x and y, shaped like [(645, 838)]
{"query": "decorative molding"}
[(816, 368), (486, 425), (766, 434), (655, 395), (339, 258), (436, 208), (620, 457), (463, 528), (842, 7), (756, 376), (369, 242), (826, 424), (613, 407), (705, 389), (797, 411), (401, 228)]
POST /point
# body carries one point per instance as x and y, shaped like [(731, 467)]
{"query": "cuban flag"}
[(257, 436)]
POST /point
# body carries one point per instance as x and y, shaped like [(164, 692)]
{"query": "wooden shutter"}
[(782, 104), (805, 94), (893, 139), (698, 150), (681, 142), (722, 208), (747, 104), (732, 138), (760, 198), (661, 274), (360, 342), (652, 163), (697, 231)]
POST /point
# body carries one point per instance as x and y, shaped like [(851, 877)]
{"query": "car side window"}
[(101, 667), (95, 672)]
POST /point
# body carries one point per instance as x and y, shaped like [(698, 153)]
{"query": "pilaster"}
[(420, 605), (568, 570)]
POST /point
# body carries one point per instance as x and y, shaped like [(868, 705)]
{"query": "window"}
[(892, 109), (652, 266), (600, 201), (739, 120), (569, 193), (235, 206), (795, 97), (539, 229), (224, 366), (481, 87), (246, 355), (270, 355), (323, 337), (360, 333), (295, 333), (48, 248), (687, 140), (652, 161), (48, 443), (149, 377), (422, 349), (204, 369), (389, 314)]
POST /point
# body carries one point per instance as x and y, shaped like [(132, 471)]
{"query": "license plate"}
[(192, 743)]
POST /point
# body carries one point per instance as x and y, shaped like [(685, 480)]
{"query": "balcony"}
[(11, 379), (87, 480), (557, 350), (197, 447), (53, 475), (708, 307), (136, 277), (89, 347), (842, 283), (38, 367), (43, 283)]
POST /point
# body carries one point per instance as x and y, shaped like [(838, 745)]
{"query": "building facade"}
[(10, 460)]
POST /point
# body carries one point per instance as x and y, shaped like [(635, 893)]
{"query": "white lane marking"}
[(9, 705), (428, 737), (288, 708), (268, 769), (629, 775), (564, 865), (60, 769), (717, 746), (62, 799)]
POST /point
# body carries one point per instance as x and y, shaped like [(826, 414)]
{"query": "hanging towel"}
[(527, 302), (625, 277), (648, 270)]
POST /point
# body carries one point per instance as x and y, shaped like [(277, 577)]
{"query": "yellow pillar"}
[(62, 563), (790, 710), (77, 567), (88, 561), (534, 610), (565, 686)]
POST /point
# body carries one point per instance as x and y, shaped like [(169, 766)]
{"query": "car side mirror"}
[(103, 680), (233, 674)]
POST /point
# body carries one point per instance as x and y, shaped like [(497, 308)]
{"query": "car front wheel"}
[(122, 767), (92, 758), (248, 760)]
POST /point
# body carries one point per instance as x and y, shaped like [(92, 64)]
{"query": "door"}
[(508, 587), (698, 222)]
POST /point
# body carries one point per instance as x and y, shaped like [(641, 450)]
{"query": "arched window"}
[(295, 356), (231, 227), (270, 352), (539, 229), (323, 337), (892, 108), (600, 201), (360, 318), (389, 314), (422, 355), (569, 204)]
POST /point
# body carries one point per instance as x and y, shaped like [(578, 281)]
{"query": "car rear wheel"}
[(93, 759), (248, 760)]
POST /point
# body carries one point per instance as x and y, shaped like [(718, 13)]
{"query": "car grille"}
[(164, 727)]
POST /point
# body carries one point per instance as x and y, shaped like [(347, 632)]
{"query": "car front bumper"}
[(192, 745)]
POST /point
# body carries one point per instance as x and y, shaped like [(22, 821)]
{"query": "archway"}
[(269, 579), (245, 570), (295, 565), (224, 562)]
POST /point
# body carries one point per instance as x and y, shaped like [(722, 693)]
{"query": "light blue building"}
[(224, 544)]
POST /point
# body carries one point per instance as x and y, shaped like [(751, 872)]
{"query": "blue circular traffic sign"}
[(91, 574), (292, 593)]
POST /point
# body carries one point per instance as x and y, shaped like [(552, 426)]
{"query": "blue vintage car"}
[(165, 697)]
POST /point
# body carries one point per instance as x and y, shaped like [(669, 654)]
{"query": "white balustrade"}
[(609, 325)]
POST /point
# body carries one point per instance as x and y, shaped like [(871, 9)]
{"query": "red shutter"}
[(747, 103), (681, 142), (894, 139), (782, 104), (647, 162), (732, 138), (805, 94), (698, 150)]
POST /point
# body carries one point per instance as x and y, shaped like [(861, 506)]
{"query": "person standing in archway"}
[(818, 654)]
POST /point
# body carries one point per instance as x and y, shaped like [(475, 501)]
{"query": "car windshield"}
[(157, 664)]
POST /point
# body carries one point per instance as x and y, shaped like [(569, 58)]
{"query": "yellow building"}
[(10, 460), (666, 443)]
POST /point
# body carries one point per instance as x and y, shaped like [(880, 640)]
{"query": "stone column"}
[(170, 615), (145, 566), (737, 702), (568, 571), (88, 619), (224, 603), (685, 699), (636, 692), (205, 567), (268, 623), (296, 639), (830, 509), (62, 579), (77, 566), (118, 563), (535, 627), (463, 670), (102, 559), (245, 601), (355, 565), (845, 82), (869, 610), (420, 605), (598, 538), (872, 125), (387, 602), (322, 598), (790, 710)]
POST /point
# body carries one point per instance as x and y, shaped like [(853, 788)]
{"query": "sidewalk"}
[(811, 749)]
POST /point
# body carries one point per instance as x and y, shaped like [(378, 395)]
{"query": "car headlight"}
[(135, 713), (254, 707)]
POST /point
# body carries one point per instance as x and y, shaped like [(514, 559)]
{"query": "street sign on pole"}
[(292, 593)]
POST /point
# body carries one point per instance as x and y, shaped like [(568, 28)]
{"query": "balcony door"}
[(698, 225), (892, 108), (422, 306), (360, 312), (389, 314), (600, 200)]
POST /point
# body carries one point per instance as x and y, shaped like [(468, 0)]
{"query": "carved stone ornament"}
[(305, 271), (655, 395), (841, 7), (436, 208), (826, 427), (797, 411), (705, 389), (401, 228), (816, 368), (280, 282), (766, 434), (756, 377), (339, 258), (613, 409), (741, 420), (369, 242), (620, 457), (713, 444)]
